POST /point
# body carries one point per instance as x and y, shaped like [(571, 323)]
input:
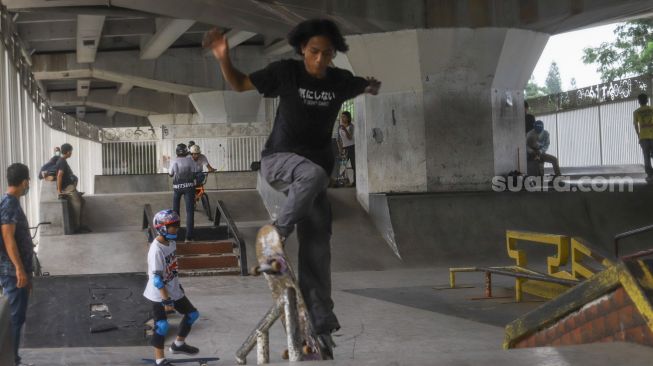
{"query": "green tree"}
[(533, 90), (631, 54), (553, 82)]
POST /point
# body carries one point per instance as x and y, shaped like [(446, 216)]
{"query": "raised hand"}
[(374, 86), (217, 43)]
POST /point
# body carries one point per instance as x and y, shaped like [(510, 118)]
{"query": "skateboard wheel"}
[(276, 266), (285, 355), (256, 271), (307, 350)]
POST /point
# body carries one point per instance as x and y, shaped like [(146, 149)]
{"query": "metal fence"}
[(138, 157), (223, 153), (594, 126)]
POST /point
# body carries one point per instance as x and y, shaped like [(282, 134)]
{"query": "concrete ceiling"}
[(150, 29)]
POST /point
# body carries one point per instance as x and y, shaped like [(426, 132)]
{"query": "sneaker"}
[(188, 240), (326, 345), (184, 348), (165, 363)]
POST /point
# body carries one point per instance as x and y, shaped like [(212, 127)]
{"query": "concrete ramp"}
[(469, 227), (116, 212), (356, 243), (614, 305)]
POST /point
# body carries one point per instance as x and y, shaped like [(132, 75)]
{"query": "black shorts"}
[(182, 305)]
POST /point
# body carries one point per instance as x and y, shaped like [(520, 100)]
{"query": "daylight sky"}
[(567, 50)]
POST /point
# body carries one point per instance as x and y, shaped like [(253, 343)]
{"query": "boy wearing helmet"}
[(163, 288), (183, 171), (200, 159)]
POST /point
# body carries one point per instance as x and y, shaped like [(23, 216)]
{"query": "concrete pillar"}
[(225, 106), (450, 115)]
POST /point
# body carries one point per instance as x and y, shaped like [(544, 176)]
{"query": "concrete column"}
[(450, 115)]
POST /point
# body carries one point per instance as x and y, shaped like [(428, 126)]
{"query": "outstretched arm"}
[(217, 43), (374, 86)]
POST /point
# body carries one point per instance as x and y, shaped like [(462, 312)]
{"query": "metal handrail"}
[(221, 211), (148, 216), (628, 234)]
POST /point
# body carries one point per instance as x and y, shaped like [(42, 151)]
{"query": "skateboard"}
[(276, 268), (201, 361)]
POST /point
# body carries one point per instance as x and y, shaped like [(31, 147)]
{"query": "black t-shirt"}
[(530, 121), (308, 107), (67, 178)]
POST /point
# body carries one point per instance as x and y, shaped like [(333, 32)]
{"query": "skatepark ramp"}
[(614, 305), (459, 228)]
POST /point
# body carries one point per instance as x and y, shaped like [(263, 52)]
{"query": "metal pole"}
[(262, 347), (600, 137), (263, 326), (292, 325), (488, 284)]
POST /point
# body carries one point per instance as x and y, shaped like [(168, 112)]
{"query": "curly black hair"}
[(307, 29), (643, 99)]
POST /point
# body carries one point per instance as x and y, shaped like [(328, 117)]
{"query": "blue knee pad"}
[(192, 317), (162, 327)]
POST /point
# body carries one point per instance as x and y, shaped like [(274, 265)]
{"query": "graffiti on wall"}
[(613, 91)]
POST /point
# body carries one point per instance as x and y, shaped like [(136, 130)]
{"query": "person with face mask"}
[(537, 143), (297, 158), (16, 250)]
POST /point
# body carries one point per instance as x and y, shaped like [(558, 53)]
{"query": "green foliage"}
[(553, 81), (631, 54), (533, 90)]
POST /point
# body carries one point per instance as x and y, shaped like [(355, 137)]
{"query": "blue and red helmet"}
[(164, 218)]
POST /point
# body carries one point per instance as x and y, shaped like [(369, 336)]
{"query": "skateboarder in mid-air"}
[(163, 288), (297, 157)]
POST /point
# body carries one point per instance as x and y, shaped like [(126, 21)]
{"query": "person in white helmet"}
[(200, 159)]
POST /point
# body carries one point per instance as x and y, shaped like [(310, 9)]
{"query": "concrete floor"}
[(389, 329), (374, 331)]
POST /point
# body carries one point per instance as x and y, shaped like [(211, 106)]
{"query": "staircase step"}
[(219, 247), (205, 262), (210, 272)]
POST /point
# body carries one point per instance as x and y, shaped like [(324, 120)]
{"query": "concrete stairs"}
[(202, 258)]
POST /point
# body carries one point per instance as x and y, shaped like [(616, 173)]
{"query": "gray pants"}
[(307, 206), (76, 203)]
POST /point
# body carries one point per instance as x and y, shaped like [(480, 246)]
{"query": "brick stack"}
[(613, 317)]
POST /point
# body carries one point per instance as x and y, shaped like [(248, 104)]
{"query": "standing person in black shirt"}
[(67, 188), (529, 119), (297, 157)]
